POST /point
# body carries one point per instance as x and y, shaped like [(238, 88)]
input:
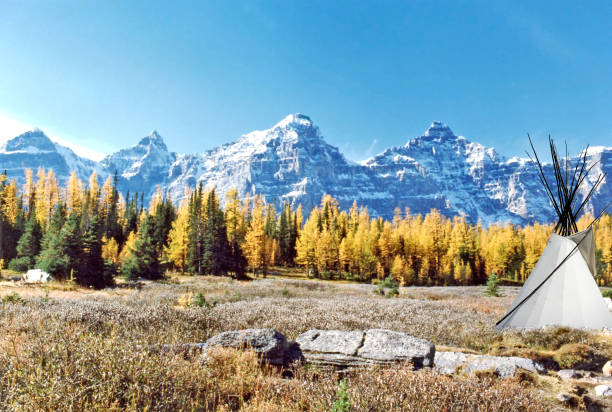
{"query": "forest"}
[(90, 234)]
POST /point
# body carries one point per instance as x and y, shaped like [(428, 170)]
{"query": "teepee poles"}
[(564, 196)]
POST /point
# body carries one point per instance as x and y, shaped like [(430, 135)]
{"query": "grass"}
[(76, 349)]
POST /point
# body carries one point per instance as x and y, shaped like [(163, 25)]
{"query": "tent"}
[(570, 297), (37, 276), (561, 289)]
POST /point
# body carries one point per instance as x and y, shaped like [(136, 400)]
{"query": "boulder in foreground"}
[(362, 348), (269, 344)]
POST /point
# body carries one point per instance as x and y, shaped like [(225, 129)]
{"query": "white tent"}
[(37, 276), (561, 289)]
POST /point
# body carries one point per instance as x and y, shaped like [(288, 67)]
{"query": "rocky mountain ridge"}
[(292, 162)]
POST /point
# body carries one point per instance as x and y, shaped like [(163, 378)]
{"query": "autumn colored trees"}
[(90, 234)]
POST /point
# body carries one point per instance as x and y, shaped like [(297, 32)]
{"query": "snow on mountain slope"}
[(292, 162), (34, 149), (142, 167), (288, 162)]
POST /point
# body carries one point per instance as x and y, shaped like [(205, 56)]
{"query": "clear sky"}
[(102, 74)]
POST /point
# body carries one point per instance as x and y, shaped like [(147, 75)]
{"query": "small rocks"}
[(505, 367), (603, 391), (567, 374), (563, 398), (607, 369)]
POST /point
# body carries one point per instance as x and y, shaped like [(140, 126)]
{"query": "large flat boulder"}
[(363, 348), (504, 367)]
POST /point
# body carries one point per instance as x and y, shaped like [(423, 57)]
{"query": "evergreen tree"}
[(143, 261), (215, 256), (28, 246), (52, 258), (111, 227), (61, 255), (92, 271), (194, 236)]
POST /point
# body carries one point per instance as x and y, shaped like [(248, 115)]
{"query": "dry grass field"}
[(66, 348)]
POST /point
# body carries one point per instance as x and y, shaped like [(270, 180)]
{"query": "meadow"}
[(64, 347)]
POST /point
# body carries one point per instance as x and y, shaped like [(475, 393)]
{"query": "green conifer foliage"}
[(143, 262), (28, 246)]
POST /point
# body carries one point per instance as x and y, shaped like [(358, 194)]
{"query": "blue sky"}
[(102, 74)]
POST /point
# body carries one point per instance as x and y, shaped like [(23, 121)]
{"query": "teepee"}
[(561, 289)]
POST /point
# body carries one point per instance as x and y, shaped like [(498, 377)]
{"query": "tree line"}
[(91, 234)]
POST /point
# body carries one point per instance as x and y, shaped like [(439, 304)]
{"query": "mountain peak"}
[(35, 139), (293, 120), (153, 139), (439, 130)]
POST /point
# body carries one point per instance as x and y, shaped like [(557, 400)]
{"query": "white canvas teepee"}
[(561, 289)]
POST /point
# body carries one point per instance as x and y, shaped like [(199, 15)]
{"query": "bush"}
[(21, 264), (492, 285), (388, 287), (574, 356), (342, 403), (12, 298), (607, 293)]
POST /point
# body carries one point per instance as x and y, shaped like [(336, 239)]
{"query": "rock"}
[(389, 346), (607, 368), (604, 391), (449, 362), (269, 344), (563, 398), (362, 348), (567, 374)]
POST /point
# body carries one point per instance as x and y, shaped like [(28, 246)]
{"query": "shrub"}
[(607, 293), (20, 264), (388, 287), (492, 285), (12, 298), (574, 356), (342, 403)]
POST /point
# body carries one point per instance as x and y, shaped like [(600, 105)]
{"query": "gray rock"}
[(504, 367), (567, 374), (363, 348), (604, 391), (331, 341), (563, 398), (269, 344), (389, 346)]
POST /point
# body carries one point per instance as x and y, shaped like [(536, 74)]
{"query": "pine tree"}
[(215, 256), (28, 246), (92, 271), (61, 253), (194, 235), (143, 261)]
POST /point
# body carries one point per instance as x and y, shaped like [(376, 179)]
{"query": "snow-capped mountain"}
[(288, 162), (34, 149), (292, 162), (142, 167)]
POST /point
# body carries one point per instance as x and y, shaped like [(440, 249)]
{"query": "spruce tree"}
[(52, 258), (216, 251), (92, 271), (143, 261), (112, 228), (28, 246), (194, 235), (70, 243)]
